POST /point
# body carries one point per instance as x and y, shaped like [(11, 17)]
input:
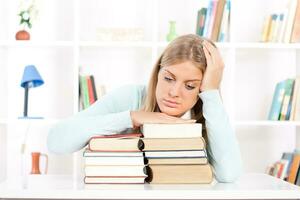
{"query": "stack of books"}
[(114, 159), (175, 153), (283, 25)]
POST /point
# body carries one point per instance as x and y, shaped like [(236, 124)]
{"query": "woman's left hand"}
[(213, 74)]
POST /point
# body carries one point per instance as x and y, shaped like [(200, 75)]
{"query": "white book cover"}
[(172, 130), (88, 153), (114, 170), (114, 160), (94, 180)]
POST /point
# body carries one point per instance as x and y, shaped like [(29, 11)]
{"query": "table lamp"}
[(31, 79)]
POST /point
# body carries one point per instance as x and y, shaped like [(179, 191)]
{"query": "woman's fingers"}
[(214, 54)]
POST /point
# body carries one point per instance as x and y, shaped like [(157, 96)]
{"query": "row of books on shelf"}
[(213, 20), (89, 92), (283, 26), (287, 168), (286, 100), (159, 153)]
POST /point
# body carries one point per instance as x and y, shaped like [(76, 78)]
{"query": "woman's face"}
[(177, 88)]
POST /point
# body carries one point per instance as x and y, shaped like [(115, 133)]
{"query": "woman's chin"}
[(171, 111)]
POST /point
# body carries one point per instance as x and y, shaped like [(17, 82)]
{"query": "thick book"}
[(115, 170), (292, 177), (179, 174), (277, 101), (115, 144), (152, 144), (218, 20), (117, 180), (124, 160), (89, 153), (176, 154), (177, 161), (172, 130), (289, 84)]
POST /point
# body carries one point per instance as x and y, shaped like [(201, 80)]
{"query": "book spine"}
[(208, 19), (213, 17), (223, 35), (277, 101), (287, 95), (290, 20), (296, 27), (203, 18), (90, 90), (94, 87)]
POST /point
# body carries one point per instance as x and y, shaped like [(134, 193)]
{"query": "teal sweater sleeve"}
[(109, 115), (223, 149)]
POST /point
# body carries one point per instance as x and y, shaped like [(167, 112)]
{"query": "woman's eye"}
[(189, 87), (168, 79)]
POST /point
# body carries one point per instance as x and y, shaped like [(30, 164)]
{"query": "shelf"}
[(115, 44), (261, 45), (36, 43), (267, 123)]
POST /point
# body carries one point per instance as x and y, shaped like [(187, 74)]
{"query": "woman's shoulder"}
[(131, 89)]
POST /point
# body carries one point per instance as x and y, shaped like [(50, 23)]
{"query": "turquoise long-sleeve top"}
[(111, 114)]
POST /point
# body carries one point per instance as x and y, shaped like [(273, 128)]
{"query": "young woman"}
[(184, 88)]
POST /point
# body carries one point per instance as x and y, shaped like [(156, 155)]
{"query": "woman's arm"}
[(109, 115), (222, 149)]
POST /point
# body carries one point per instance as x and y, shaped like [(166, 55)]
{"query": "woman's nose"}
[(174, 90)]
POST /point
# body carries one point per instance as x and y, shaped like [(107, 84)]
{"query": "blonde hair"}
[(184, 48)]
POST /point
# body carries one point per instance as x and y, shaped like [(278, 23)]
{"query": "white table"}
[(249, 186)]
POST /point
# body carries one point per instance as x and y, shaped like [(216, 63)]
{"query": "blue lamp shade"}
[(31, 77)]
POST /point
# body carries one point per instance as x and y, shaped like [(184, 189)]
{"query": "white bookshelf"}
[(67, 38)]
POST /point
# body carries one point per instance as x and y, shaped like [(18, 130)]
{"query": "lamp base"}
[(30, 117)]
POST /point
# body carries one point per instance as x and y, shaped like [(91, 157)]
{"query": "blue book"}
[(274, 113)]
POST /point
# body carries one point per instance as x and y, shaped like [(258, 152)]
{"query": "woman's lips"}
[(171, 104)]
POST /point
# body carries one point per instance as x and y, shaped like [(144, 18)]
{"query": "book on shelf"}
[(295, 167), (89, 92), (287, 168), (283, 26), (285, 103), (287, 100), (172, 130), (295, 37), (213, 20), (179, 174)]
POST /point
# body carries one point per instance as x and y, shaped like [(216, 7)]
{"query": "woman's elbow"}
[(230, 174), (57, 142)]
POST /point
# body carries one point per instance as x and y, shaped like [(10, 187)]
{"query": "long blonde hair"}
[(184, 48)]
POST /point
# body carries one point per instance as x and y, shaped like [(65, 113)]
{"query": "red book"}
[(90, 90)]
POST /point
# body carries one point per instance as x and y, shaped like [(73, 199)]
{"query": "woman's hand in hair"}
[(214, 70), (141, 117)]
